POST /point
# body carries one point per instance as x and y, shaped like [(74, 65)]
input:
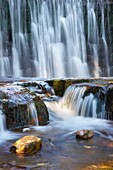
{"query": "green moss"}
[(59, 87)]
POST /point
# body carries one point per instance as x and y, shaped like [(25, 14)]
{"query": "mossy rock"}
[(60, 85)]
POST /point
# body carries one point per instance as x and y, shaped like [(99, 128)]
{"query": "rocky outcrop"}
[(16, 101)]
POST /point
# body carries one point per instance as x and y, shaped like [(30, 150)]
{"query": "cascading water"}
[(54, 38), (33, 113), (75, 103), (93, 36), (2, 121)]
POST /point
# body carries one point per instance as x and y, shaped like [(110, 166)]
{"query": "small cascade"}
[(74, 99), (33, 113), (2, 120), (76, 103), (72, 96)]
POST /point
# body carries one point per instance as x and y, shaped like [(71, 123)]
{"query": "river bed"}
[(60, 148)]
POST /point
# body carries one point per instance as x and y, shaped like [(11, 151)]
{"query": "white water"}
[(48, 38), (73, 112), (105, 46), (69, 114), (4, 133), (2, 122), (33, 113), (93, 36), (74, 103)]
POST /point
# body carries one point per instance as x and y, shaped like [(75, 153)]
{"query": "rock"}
[(48, 90), (41, 88), (84, 134), (109, 102), (26, 145), (42, 112), (60, 85), (16, 115)]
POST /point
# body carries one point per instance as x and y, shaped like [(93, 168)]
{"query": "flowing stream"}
[(60, 148)]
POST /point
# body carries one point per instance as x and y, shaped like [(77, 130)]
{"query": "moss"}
[(59, 87)]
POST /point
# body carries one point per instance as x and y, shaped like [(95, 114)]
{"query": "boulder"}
[(26, 145), (84, 134)]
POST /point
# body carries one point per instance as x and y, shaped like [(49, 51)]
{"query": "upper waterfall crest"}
[(54, 38)]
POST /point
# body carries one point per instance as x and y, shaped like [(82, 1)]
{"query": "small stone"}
[(26, 145), (84, 134)]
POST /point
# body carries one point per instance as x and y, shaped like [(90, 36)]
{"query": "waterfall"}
[(54, 38), (33, 113), (93, 36), (75, 102), (81, 105), (2, 120)]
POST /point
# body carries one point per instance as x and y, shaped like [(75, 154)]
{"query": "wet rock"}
[(26, 145), (48, 90), (16, 107), (42, 112), (84, 134), (39, 87), (16, 115), (60, 85), (96, 89), (109, 102)]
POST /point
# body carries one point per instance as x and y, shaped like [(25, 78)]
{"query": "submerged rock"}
[(26, 145), (84, 134)]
